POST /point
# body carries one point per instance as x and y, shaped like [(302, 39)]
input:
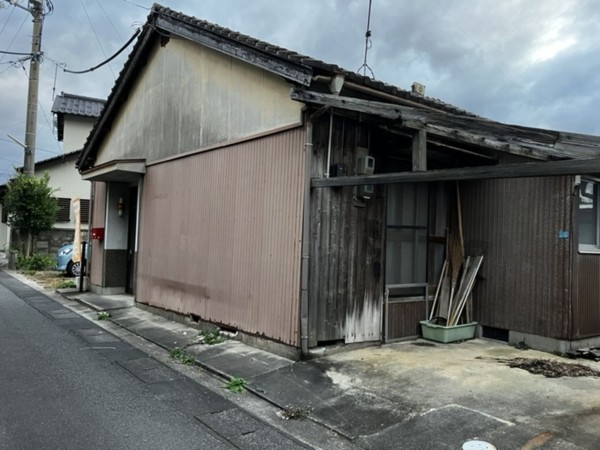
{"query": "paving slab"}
[(247, 432), (154, 328), (102, 302), (233, 358), (149, 370), (190, 398)]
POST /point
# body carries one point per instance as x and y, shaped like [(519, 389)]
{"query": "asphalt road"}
[(66, 383)]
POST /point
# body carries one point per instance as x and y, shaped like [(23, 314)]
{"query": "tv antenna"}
[(368, 45)]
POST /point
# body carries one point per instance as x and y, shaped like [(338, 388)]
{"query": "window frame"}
[(589, 248), (63, 212)]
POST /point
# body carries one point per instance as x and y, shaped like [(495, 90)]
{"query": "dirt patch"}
[(551, 369), (48, 279)]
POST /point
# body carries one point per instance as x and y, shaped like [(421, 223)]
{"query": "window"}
[(589, 236), (406, 244), (63, 213)]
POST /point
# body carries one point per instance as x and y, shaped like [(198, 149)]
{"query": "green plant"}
[(103, 315), (182, 356), (30, 204), (35, 262), (236, 385), (66, 284), (211, 337)]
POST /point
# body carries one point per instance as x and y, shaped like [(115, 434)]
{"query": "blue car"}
[(65, 263)]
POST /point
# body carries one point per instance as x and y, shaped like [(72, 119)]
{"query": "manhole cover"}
[(478, 445)]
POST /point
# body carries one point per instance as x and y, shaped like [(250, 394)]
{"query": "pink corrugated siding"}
[(220, 235), (98, 219)]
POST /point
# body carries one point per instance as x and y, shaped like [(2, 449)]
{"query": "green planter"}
[(444, 334)]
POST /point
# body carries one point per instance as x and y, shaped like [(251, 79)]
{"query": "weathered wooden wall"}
[(346, 273), (189, 97), (524, 282)]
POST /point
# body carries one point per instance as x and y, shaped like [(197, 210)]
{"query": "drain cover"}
[(478, 445)]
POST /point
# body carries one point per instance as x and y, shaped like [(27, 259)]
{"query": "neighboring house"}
[(233, 183), (75, 117)]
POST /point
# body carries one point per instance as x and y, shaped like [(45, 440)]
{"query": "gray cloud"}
[(503, 60)]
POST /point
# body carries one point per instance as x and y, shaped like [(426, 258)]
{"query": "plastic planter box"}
[(444, 334)]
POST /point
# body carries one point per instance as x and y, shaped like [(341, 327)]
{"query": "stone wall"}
[(51, 240)]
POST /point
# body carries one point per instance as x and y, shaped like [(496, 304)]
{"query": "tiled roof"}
[(317, 65), (236, 42), (77, 105)]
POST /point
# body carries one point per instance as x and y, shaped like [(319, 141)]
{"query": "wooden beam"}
[(535, 169), (380, 109), (523, 141), (419, 151)]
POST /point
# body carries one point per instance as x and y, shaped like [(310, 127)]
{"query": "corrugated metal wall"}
[(220, 235), (524, 284), (98, 219), (586, 302)]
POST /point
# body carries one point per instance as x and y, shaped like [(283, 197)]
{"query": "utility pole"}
[(36, 9)]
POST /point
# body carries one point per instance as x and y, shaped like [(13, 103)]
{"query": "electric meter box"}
[(365, 165)]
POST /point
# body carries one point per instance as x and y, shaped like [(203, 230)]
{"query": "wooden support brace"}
[(419, 151)]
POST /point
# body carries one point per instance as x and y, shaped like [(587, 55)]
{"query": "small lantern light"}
[(120, 206)]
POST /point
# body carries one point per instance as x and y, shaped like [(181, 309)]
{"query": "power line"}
[(15, 53), (136, 4), (47, 120), (78, 72), (96, 34), (109, 21), (7, 20), (15, 36)]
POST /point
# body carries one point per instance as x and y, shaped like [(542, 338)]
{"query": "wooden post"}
[(419, 151)]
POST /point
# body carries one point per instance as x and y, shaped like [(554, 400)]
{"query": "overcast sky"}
[(527, 62)]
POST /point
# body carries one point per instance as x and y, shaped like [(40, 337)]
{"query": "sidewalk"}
[(413, 395)]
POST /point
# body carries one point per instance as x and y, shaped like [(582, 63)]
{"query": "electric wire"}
[(7, 20), (97, 37), (55, 140), (136, 4), (109, 20), (14, 37), (4, 52), (109, 59)]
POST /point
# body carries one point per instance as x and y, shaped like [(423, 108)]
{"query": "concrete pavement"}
[(415, 395)]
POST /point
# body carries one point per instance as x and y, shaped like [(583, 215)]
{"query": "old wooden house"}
[(246, 185)]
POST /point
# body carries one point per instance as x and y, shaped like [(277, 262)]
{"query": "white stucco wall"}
[(189, 97), (75, 132), (67, 181)]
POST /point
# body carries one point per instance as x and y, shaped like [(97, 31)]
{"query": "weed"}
[(66, 284), (103, 315), (295, 412), (236, 385), (182, 356), (35, 262), (211, 337)]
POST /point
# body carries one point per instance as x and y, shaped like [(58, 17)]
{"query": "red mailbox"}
[(98, 233)]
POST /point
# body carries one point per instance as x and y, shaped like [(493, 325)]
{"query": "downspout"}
[(305, 263), (329, 143)]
